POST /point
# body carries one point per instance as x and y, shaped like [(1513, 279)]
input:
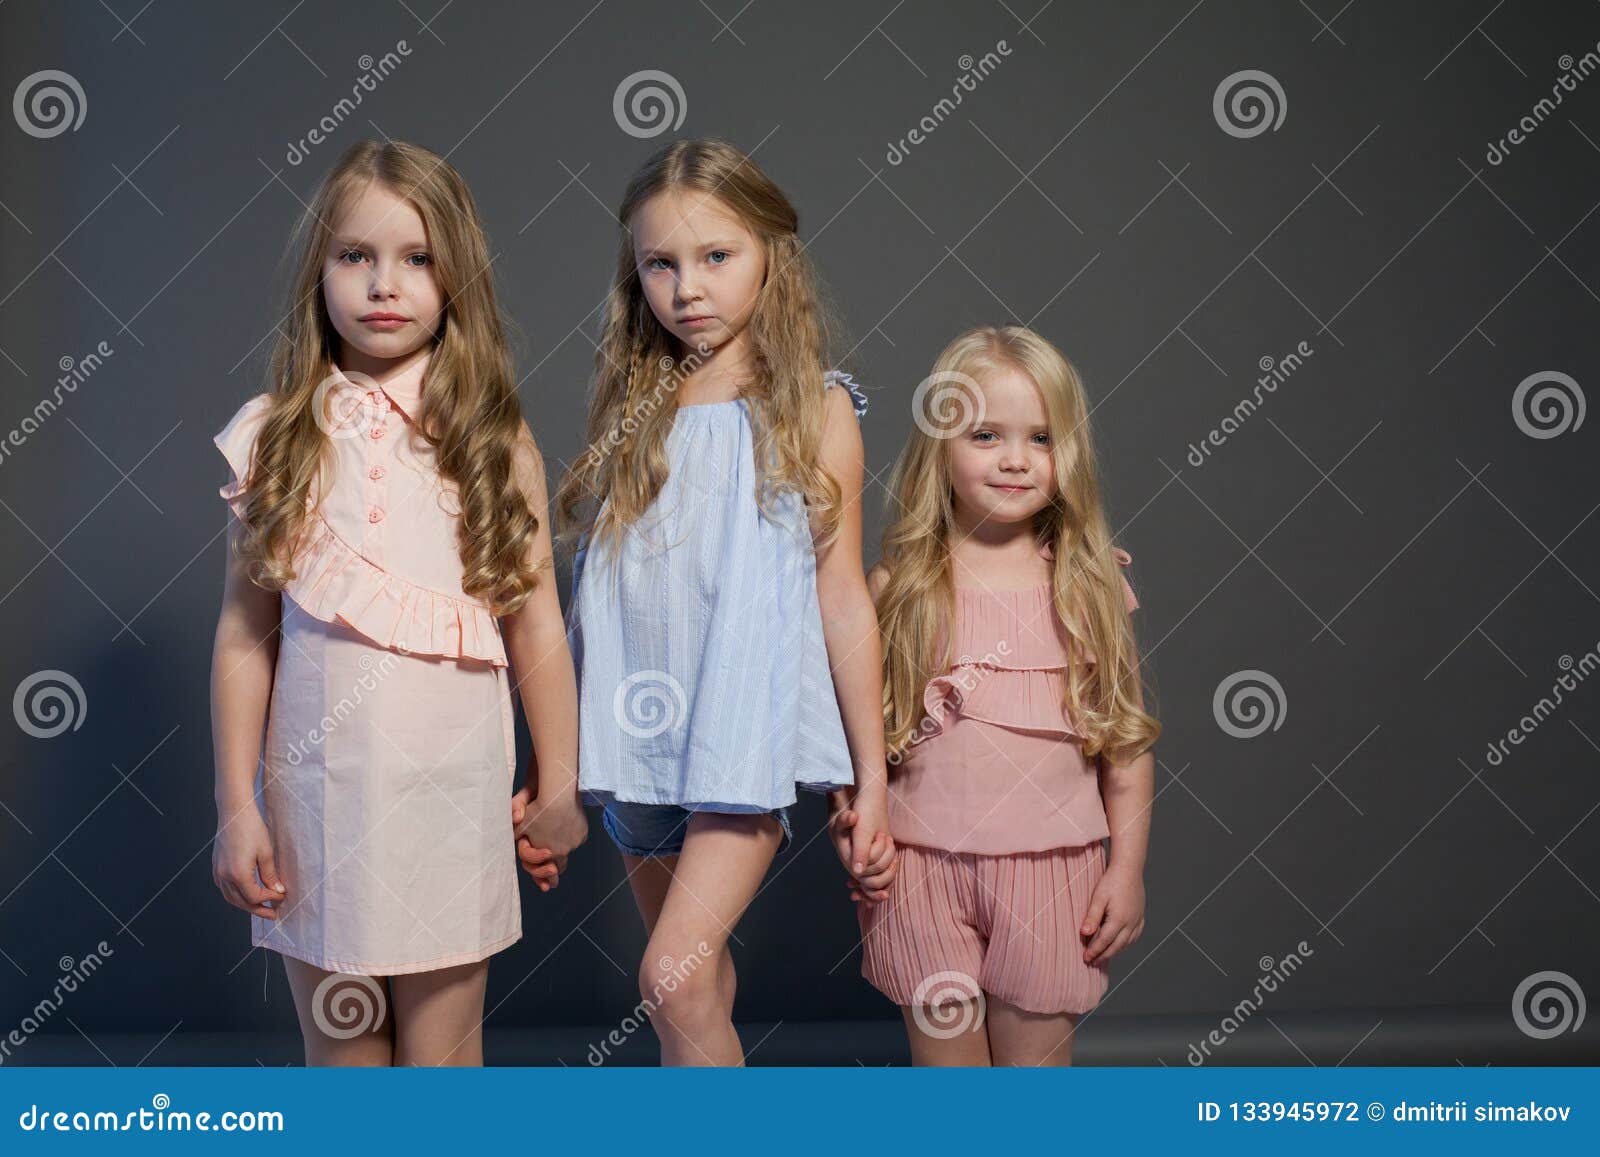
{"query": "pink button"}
[(374, 515), (376, 473), (378, 432)]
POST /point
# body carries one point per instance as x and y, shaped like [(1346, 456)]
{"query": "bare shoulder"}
[(528, 466)]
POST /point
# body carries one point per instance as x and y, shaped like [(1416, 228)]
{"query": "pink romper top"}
[(996, 766), (390, 747)]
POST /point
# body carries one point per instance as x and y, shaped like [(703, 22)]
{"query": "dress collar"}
[(404, 389)]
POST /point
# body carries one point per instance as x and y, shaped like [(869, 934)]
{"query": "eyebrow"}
[(353, 243)]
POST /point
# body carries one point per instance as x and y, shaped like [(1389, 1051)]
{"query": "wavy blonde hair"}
[(470, 414), (624, 464), (917, 601)]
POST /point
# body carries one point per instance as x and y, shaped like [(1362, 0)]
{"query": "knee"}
[(683, 991)]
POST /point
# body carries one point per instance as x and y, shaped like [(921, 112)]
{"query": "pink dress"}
[(390, 750)]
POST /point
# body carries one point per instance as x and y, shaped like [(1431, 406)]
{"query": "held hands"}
[(1116, 914), (861, 839), (242, 847), (546, 834)]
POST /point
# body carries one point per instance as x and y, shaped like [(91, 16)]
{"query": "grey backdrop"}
[(1396, 537)]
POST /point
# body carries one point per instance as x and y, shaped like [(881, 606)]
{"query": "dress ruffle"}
[(858, 396), (333, 581)]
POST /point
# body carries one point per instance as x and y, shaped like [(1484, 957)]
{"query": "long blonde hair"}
[(917, 601), (631, 406), (470, 414)]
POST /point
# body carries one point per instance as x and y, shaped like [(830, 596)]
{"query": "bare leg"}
[(650, 879), (439, 1016), (951, 1034), (1019, 1037), (724, 859), (344, 1020)]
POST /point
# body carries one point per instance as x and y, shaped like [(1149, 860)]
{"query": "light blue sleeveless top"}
[(703, 675)]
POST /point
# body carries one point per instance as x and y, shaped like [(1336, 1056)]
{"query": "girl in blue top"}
[(726, 644)]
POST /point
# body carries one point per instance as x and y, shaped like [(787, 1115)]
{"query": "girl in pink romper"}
[(999, 587)]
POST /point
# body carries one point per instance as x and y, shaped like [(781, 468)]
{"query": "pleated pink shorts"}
[(959, 922)]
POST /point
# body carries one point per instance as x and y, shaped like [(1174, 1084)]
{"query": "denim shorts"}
[(649, 830)]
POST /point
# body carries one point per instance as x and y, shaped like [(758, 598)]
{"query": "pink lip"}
[(700, 320), (1011, 489), (384, 321)]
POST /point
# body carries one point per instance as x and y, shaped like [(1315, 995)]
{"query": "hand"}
[(546, 834), (1116, 914), (861, 839), (243, 847)]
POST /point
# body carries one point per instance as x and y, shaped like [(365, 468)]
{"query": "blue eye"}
[(1043, 439), (723, 253), (350, 253), (657, 263), (984, 434), (426, 260)]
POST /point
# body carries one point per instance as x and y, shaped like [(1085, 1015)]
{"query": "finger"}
[(267, 865), (561, 864), (531, 854), (1108, 933), (1097, 911)]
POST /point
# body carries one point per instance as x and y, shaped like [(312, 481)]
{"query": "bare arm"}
[(849, 620), (244, 655), (1128, 791), (536, 644)]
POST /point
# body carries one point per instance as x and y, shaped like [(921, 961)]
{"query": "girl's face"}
[(378, 280), (1001, 469), (700, 268)]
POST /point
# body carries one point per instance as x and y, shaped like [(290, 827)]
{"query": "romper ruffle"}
[(1022, 689)]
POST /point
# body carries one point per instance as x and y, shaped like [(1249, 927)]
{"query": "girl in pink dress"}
[(388, 517), (1013, 714)]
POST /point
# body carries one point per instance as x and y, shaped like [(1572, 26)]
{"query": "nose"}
[(688, 289), (1014, 459), (379, 287)]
